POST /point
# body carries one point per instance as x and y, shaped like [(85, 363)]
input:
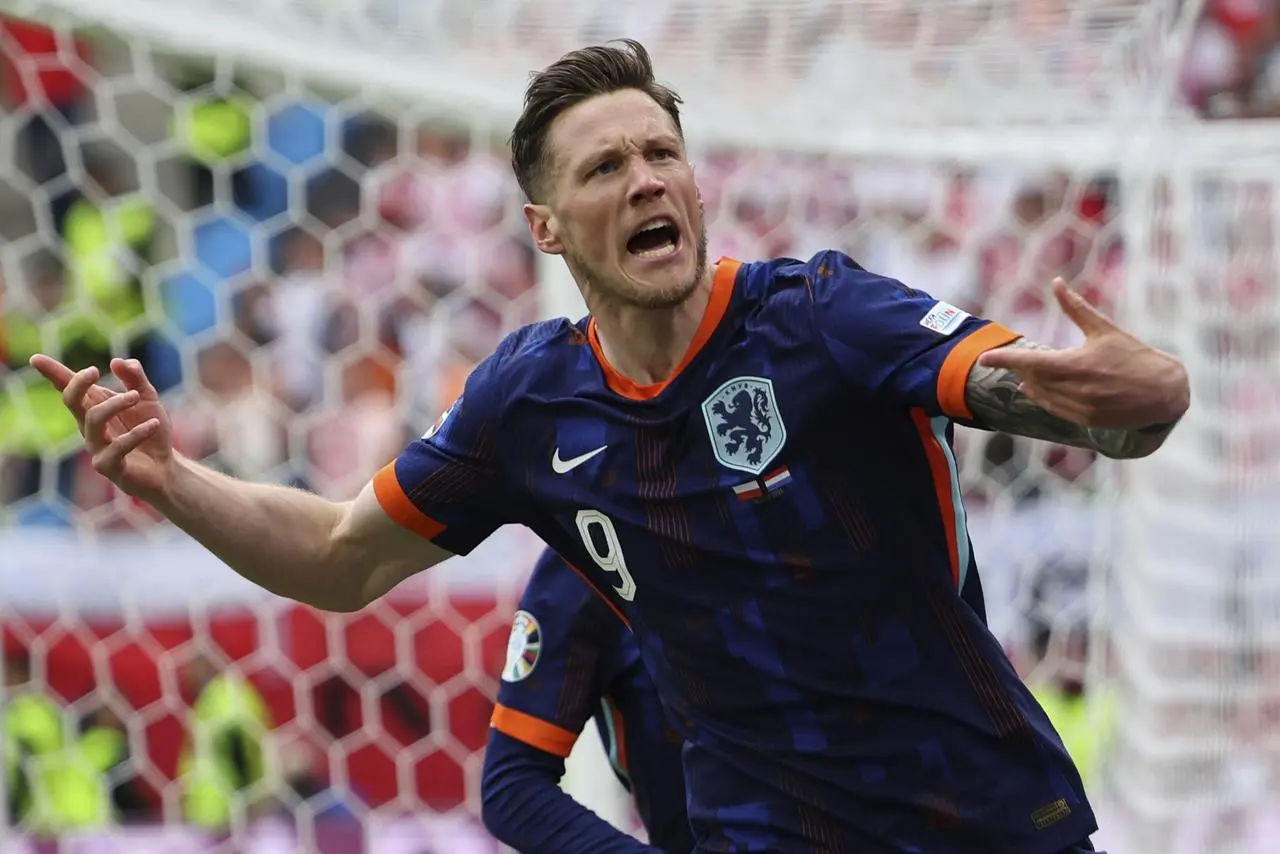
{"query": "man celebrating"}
[(752, 463)]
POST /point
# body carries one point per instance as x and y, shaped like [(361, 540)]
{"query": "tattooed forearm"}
[(994, 400)]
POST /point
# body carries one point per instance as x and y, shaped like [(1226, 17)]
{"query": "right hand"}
[(1112, 380), (127, 433)]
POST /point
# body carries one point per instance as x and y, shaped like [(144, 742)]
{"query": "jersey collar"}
[(721, 290)]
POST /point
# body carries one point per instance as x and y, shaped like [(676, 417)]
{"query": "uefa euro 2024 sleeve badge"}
[(523, 646)]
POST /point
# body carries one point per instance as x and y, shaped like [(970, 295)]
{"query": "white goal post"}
[(991, 131)]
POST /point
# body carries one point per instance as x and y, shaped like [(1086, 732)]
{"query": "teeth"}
[(656, 224), (660, 252)]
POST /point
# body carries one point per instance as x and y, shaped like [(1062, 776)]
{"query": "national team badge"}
[(744, 425), (523, 646)]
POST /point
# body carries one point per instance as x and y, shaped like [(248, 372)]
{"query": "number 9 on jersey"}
[(601, 541)]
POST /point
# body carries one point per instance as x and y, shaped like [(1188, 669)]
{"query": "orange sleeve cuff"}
[(954, 375), (534, 732), (397, 506)]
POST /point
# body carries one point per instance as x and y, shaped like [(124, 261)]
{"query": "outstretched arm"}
[(335, 556), (1113, 394)]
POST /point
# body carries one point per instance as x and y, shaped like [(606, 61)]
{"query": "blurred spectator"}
[(237, 416), (371, 141), (43, 88), (509, 272), (33, 728), (1242, 813), (109, 237), (291, 315), (213, 123), (1057, 680), (59, 779), (1043, 238), (1232, 65), (224, 766), (38, 315), (359, 437), (104, 741), (81, 786)]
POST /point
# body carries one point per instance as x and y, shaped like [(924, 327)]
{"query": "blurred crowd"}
[(309, 287), (83, 767), (1232, 66), (309, 284), (389, 266)]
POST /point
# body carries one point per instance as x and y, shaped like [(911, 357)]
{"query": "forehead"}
[(616, 120)]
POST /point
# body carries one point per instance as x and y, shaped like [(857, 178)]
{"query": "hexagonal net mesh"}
[(309, 256), (757, 69)]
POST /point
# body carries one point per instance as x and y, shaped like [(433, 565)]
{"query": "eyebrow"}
[(605, 151), (598, 154)]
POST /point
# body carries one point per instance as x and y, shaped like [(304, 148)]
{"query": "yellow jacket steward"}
[(225, 751)]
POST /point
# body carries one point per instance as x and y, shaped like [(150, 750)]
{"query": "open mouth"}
[(657, 238)]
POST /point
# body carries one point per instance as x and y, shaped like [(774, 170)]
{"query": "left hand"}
[(1111, 381)]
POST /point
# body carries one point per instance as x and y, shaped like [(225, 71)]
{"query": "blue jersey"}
[(780, 523), (570, 659)]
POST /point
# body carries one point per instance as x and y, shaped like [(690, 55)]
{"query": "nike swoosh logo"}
[(560, 466)]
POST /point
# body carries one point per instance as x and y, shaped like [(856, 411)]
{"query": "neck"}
[(646, 345)]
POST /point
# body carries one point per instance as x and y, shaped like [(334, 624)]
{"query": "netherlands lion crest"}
[(744, 425)]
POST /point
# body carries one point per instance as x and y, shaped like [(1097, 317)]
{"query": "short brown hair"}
[(570, 80)]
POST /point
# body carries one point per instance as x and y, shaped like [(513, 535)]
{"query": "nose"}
[(646, 185)]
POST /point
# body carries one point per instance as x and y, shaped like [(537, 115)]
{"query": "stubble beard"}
[(643, 298)]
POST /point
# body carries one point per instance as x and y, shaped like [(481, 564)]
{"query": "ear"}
[(542, 228)]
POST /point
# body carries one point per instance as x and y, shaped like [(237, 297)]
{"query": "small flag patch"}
[(769, 483), (779, 478)]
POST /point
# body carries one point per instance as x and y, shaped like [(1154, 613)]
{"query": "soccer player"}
[(752, 462), (569, 659)]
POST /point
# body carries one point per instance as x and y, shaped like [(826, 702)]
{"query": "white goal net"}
[(299, 216)]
